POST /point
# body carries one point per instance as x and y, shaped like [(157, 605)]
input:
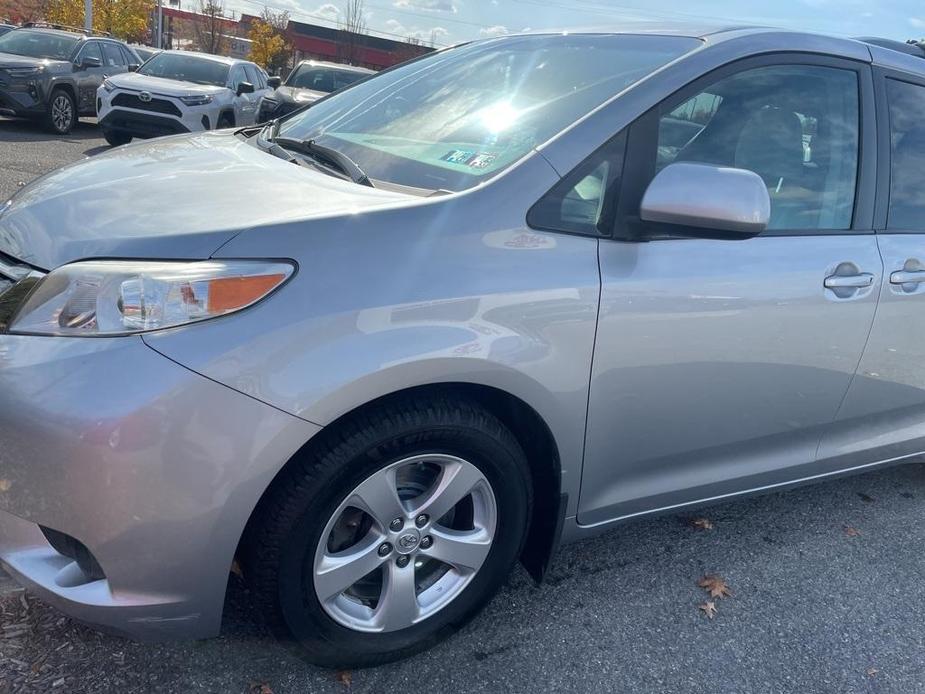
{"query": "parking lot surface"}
[(828, 595)]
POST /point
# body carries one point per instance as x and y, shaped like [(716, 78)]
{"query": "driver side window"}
[(796, 126)]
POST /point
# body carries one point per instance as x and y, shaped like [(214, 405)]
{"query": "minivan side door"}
[(883, 417), (720, 364)]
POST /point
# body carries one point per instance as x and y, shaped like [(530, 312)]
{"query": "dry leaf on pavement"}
[(344, 677), (702, 523), (261, 688), (851, 532), (715, 586), (708, 608)]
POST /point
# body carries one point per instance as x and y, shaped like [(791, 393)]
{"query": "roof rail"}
[(64, 27), (910, 47)]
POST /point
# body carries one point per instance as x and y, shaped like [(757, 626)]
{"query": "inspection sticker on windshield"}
[(476, 160)]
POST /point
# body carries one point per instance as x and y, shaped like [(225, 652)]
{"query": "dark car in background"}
[(51, 73), (309, 81)]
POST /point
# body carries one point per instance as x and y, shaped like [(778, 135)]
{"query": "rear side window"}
[(907, 145), (796, 126), (112, 55)]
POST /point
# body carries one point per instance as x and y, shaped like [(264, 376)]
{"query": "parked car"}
[(505, 296), (309, 81), (4, 28), (178, 92), (52, 74), (146, 52)]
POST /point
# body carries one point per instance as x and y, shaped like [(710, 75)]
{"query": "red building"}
[(310, 41)]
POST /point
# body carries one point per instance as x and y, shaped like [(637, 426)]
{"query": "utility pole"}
[(160, 23), (88, 15)]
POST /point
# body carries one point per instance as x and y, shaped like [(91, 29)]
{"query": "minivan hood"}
[(290, 93), (160, 85), (171, 198)]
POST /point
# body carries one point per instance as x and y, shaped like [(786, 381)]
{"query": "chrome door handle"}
[(863, 279), (907, 277)]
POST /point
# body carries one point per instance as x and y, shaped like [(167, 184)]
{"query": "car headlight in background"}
[(112, 297), (21, 73), (108, 86), (303, 97), (197, 99)]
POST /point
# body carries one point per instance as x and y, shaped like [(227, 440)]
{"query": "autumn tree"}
[(124, 19), (352, 31), (268, 36), (210, 27), (22, 11), (266, 44)]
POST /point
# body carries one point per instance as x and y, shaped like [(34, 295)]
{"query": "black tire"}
[(278, 550), (116, 137), (61, 112)]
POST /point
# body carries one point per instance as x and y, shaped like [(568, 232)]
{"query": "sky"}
[(452, 21)]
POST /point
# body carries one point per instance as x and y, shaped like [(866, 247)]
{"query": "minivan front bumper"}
[(149, 466)]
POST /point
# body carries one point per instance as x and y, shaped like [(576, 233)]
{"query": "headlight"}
[(112, 297), (197, 99), (108, 86), (19, 73), (303, 97)]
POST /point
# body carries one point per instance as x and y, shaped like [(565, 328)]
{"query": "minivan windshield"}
[(38, 44), (455, 118), (186, 68)]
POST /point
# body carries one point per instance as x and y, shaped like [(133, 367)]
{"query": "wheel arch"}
[(527, 426)]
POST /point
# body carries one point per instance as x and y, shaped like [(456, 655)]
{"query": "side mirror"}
[(245, 88), (274, 82), (90, 61), (707, 201), (133, 67)]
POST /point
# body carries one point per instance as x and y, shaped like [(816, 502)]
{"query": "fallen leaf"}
[(715, 586), (702, 523), (709, 609), (871, 671), (5, 485), (344, 677), (236, 569), (851, 532), (865, 497), (260, 688)]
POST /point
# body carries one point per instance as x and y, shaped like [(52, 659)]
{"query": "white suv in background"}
[(177, 92)]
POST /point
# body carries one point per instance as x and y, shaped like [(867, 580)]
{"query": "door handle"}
[(907, 277), (858, 281)]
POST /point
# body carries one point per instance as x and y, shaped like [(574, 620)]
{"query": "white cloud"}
[(917, 22), (496, 30), (428, 5), (328, 11)]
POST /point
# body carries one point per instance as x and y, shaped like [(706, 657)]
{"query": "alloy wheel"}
[(62, 113), (404, 543)]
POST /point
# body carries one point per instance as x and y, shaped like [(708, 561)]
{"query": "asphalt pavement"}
[(827, 582)]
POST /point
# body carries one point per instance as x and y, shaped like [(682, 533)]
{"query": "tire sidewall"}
[(325, 639)]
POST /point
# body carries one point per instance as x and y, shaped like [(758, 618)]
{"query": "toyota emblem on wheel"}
[(144, 97), (408, 541)]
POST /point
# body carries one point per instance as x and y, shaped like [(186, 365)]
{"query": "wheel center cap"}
[(408, 541)]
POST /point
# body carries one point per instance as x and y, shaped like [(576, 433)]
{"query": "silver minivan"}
[(501, 297)]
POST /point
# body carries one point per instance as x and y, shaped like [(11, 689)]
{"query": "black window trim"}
[(642, 138), (885, 167)]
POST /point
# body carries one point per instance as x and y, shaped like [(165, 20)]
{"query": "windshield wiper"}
[(327, 155)]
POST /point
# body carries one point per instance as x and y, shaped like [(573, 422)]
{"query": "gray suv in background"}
[(51, 74), (511, 294), (309, 81)]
